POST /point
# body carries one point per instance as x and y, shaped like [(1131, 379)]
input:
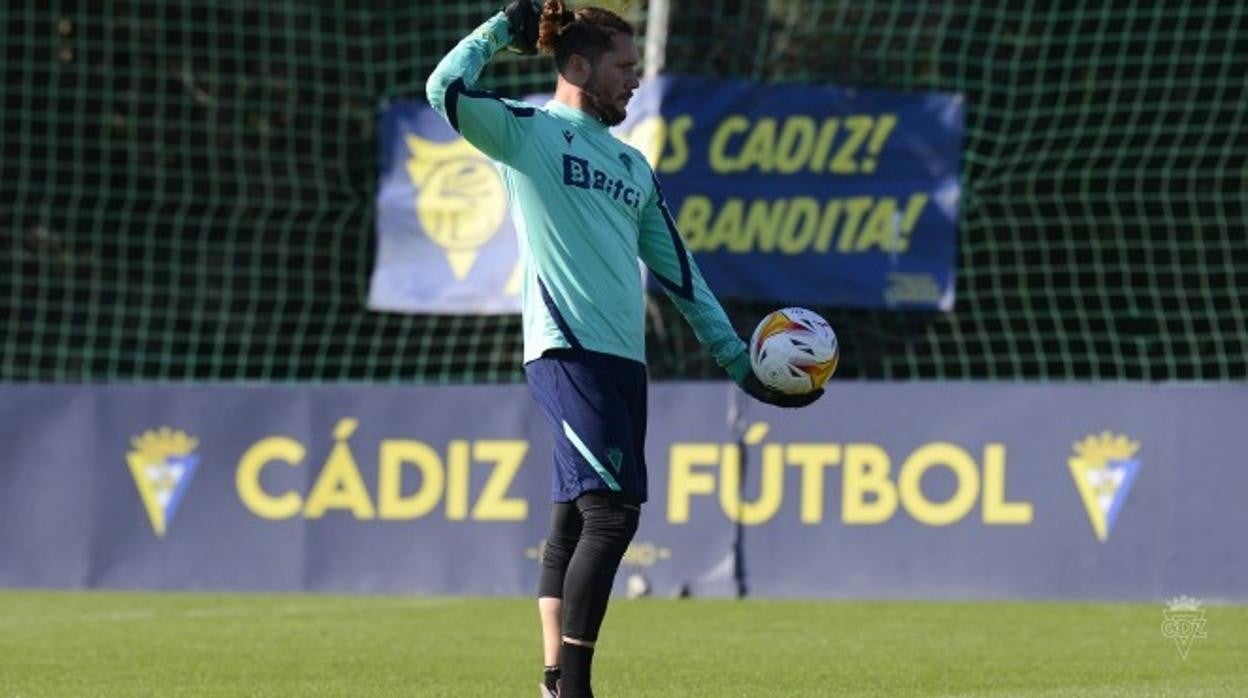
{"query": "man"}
[(586, 206)]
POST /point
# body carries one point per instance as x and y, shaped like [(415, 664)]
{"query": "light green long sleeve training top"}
[(586, 207)]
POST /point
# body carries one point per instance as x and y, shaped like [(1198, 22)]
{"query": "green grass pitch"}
[(62, 644)]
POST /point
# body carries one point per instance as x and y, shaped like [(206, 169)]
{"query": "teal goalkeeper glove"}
[(524, 17), (743, 374)]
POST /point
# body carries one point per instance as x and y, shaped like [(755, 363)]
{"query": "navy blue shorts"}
[(596, 405)]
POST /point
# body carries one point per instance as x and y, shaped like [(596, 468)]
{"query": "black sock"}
[(574, 662), (552, 678)]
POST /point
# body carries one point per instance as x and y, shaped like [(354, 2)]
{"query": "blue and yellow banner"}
[(794, 194), (958, 490), (809, 195)]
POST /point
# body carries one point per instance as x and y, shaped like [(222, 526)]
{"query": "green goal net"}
[(187, 187)]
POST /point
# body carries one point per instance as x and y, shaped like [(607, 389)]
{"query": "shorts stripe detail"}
[(569, 432)]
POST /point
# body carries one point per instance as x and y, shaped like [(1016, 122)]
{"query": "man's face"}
[(612, 80)]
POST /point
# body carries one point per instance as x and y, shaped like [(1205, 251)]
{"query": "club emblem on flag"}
[(460, 200)]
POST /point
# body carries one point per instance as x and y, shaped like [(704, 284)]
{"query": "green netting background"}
[(187, 187)]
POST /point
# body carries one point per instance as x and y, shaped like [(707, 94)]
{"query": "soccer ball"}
[(794, 351)]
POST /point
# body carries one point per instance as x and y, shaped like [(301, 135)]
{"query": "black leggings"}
[(587, 540)]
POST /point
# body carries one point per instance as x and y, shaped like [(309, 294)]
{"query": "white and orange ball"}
[(794, 351)]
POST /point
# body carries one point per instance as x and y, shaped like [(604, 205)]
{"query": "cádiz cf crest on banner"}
[(445, 242)]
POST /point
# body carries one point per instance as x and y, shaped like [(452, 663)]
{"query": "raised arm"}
[(497, 127)]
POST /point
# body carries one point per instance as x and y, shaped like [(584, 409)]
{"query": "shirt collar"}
[(576, 116)]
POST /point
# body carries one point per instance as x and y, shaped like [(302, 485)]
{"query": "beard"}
[(603, 106)]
